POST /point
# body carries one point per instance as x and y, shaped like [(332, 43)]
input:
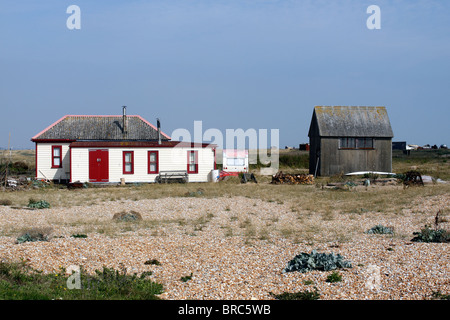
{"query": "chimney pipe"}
[(124, 119), (158, 124)]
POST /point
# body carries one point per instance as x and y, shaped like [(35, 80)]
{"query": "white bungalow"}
[(113, 149)]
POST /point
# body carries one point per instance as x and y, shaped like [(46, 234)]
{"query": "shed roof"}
[(352, 121), (83, 127)]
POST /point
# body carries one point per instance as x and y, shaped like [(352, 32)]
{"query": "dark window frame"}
[(345, 145), (366, 145), (353, 143)]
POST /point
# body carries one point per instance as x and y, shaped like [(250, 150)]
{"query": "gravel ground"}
[(237, 248)]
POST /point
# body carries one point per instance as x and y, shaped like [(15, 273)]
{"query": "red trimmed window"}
[(56, 156), (153, 162), (128, 162), (192, 161)]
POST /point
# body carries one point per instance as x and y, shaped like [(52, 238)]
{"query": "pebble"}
[(189, 235)]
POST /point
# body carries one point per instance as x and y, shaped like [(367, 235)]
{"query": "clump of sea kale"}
[(34, 234), (427, 234), (41, 204), (316, 261), (380, 229)]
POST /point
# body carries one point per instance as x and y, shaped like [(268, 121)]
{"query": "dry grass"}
[(388, 199), (301, 201), (435, 163), (26, 156)]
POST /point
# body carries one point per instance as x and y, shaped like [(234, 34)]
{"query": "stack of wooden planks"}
[(297, 178)]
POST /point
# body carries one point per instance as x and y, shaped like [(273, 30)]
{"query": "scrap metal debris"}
[(248, 177), (413, 178)]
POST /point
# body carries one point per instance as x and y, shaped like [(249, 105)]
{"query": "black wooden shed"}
[(346, 139)]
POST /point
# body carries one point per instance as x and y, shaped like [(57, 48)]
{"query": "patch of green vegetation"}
[(186, 278), (440, 296), (19, 282), (380, 229), (34, 234), (17, 167), (304, 262), (38, 204), (28, 238), (152, 262), (292, 159), (301, 295), (427, 234), (334, 277), (79, 235), (300, 161)]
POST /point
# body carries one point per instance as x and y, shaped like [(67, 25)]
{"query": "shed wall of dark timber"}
[(329, 124)]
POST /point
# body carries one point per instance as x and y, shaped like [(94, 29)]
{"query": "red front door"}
[(98, 165)]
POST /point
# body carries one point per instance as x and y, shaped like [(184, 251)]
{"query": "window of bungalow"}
[(56, 156), (192, 162), (128, 162), (153, 162)]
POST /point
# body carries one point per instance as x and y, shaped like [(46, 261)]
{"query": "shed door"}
[(98, 165)]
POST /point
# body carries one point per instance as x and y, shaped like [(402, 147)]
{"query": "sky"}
[(235, 64)]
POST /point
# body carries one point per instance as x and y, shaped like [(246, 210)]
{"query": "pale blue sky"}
[(232, 64)]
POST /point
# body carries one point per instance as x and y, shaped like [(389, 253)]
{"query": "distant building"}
[(402, 146), (349, 139), (304, 146), (399, 145)]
